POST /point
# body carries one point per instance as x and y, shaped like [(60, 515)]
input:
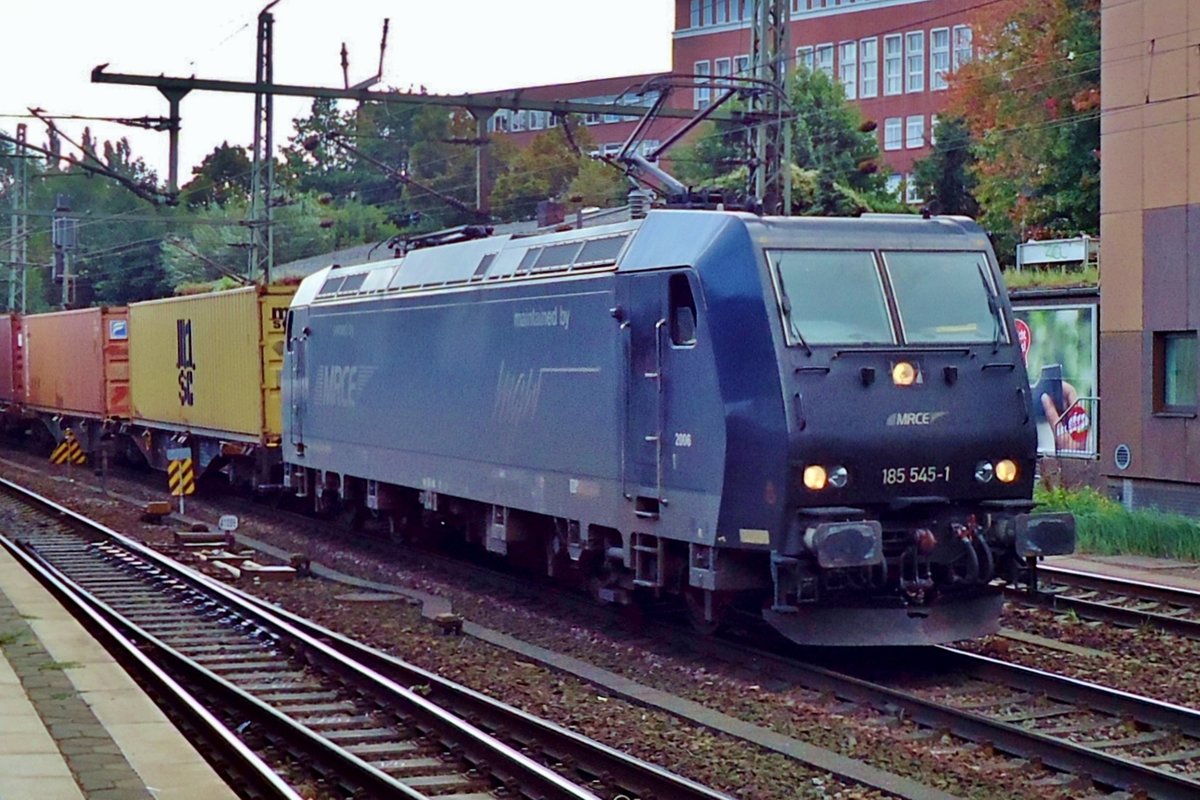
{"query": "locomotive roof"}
[(663, 238)]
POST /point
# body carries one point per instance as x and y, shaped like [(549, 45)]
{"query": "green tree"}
[(544, 170), (222, 176), (946, 177), (1032, 105)]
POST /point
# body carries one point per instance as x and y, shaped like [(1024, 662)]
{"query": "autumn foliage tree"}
[(1031, 100)]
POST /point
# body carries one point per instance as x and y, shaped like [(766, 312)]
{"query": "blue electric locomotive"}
[(827, 421)]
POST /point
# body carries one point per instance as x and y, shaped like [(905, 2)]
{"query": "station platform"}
[(73, 725), (1165, 571)]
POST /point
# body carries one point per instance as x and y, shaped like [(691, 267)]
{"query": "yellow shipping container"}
[(210, 363)]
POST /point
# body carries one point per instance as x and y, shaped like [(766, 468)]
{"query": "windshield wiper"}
[(787, 310), (994, 308)]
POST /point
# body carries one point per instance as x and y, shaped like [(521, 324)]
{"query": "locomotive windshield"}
[(832, 296), (944, 297), (838, 297)]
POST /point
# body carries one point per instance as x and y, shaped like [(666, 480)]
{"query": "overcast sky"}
[(49, 50)]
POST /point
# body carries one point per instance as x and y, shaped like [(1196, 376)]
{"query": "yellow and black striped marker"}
[(181, 478), (68, 451)]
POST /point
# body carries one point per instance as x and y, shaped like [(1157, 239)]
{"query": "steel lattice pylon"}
[(770, 169)]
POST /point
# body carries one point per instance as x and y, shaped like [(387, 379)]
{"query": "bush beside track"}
[(1105, 527)]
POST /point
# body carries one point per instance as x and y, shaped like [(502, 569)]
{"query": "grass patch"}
[(58, 666), (1051, 278), (1104, 527), (9, 638)]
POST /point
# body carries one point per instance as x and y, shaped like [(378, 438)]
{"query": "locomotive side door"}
[(295, 344), (658, 325)]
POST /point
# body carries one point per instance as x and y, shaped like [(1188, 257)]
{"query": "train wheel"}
[(706, 610)]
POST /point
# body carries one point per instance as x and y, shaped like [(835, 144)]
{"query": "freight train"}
[(824, 422)]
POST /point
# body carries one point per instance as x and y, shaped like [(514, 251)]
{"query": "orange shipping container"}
[(77, 362), (210, 363)]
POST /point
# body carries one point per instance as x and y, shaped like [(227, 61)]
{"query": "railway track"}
[(1117, 740), (1116, 600), (1092, 735), (363, 721)]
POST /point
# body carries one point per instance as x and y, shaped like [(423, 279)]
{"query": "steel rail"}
[(229, 749), (1106, 768), (1110, 612), (393, 676)]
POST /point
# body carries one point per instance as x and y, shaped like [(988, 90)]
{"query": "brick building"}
[(892, 58), (1150, 226)]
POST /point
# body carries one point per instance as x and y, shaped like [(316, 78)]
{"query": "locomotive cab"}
[(911, 442)]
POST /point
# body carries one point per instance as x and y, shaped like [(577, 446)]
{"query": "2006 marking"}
[(683, 440), (897, 476)]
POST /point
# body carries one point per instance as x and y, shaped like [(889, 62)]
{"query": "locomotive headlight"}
[(984, 472), (815, 477), (838, 477), (1006, 470), (904, 374)]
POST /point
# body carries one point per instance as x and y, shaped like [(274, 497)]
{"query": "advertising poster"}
[(1059, 345)]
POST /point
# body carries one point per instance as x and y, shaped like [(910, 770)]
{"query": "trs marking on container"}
[(185, 362)]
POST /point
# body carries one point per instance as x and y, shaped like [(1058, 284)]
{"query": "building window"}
[(824, 59), (537, 120), (893, 185), (741, 66), (962, 45), (703, 90), (914, 61), (648, 146), (804, 58), (1175, 372), (910, 190), (695, 14), (933, 123), (914, 132), (939, 58), (892, 134), (724, 70), (848, 68), (893, 64), (518, 121), (722, 11), (868, 68)]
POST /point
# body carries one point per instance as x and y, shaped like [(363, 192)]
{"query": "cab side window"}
[(683, 311)]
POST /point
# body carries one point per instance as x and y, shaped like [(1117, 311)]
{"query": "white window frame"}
[(703, 92), (893, 64), (910, 190), (848, 68), (823, 59), (939, 59), (914, 62), (722, 15), (933, 123), (893, 133), (868, 68), (894, 185), (723, 69), (962, 45), (694, 17), (741, 66), (805, 58), (518, 121), (914, 132)]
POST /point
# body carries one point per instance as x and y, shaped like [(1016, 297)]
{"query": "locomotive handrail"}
[(660, 421)]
